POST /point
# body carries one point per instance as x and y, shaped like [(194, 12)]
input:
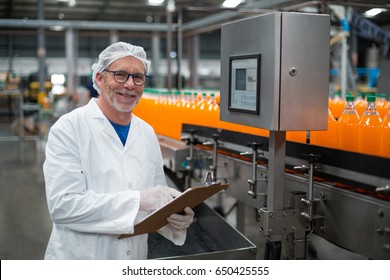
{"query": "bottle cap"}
[(371, 98), (350, 98)]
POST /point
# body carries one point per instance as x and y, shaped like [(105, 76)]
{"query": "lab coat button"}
[(128, 252)]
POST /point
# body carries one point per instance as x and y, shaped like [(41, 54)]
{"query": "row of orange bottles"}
[(167, 111), (325, 138), (366, 134), (337, 104)]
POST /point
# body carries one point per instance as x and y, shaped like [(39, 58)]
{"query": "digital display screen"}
[(245, 85)]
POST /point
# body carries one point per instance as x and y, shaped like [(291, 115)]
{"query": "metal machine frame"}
[(341, 196), (346, 201)]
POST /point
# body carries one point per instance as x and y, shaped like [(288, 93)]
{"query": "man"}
[(103, 169)]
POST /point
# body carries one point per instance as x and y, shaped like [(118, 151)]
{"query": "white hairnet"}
[(114, 52)]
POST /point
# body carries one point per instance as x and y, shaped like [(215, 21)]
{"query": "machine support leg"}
[(276, 166), (273, 250), (275, 193), (241, 216)]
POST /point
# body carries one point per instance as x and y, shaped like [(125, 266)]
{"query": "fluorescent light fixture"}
[(155, 2), (373, 12), (57, 28), (231, 3), (171, 6), (71, 3)]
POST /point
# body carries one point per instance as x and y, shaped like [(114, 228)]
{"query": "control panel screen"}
[(244, 89)]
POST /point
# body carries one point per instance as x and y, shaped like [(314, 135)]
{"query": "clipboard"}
[(191, 198)]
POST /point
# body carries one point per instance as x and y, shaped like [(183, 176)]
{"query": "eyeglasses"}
[(122, 76)]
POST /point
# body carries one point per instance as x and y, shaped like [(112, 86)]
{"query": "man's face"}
[(123, 97)]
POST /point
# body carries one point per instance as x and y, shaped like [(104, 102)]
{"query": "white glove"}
[(156, 197), (181, 222)]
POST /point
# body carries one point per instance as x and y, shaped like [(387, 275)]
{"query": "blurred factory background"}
[(336, 178)]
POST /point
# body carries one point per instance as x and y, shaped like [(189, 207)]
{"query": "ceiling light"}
[(57, 28), (70, 3), (171, 6), (155, 2), (231, 3), (373, 12)]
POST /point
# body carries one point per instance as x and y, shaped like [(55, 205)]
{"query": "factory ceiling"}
[(194, 14)]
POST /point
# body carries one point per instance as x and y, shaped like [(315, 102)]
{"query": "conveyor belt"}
[(353, 163)]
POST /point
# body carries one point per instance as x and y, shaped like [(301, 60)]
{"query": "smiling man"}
[(104, 170)]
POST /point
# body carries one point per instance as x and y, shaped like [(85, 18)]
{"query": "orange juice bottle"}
[(218, 98), (213, 112), (325, 138), (171, 118), (360, 104), (162, 113), (385, 136), (337, 105), (347, 127), (381, 104), (192, 108), (368, 130), (330, 104), (144, 108), (177, 112), (201, 110), (186, 104)]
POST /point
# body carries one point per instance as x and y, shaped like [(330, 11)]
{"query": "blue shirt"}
[(122, 131)]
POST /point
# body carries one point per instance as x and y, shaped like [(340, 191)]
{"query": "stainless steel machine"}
[(341, 196), (278, 81), (274, 75)]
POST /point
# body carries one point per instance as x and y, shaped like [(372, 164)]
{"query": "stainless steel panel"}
[(258, 35), (355, 222), (352, 221), (227, 242), (304, 96), (174, 153), (288, 100)]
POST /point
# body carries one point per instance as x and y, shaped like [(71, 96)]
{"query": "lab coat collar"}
[(97, 113), (95, 109)]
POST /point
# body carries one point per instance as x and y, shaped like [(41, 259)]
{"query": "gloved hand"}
[(156, 197), (181, 222)]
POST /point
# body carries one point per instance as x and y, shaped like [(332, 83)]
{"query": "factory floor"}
[(25, 223)]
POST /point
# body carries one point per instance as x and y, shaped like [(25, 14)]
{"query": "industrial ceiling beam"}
[(228, 15), (84, 25)]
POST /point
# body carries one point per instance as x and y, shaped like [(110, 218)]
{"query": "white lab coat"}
[(93, 183)]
